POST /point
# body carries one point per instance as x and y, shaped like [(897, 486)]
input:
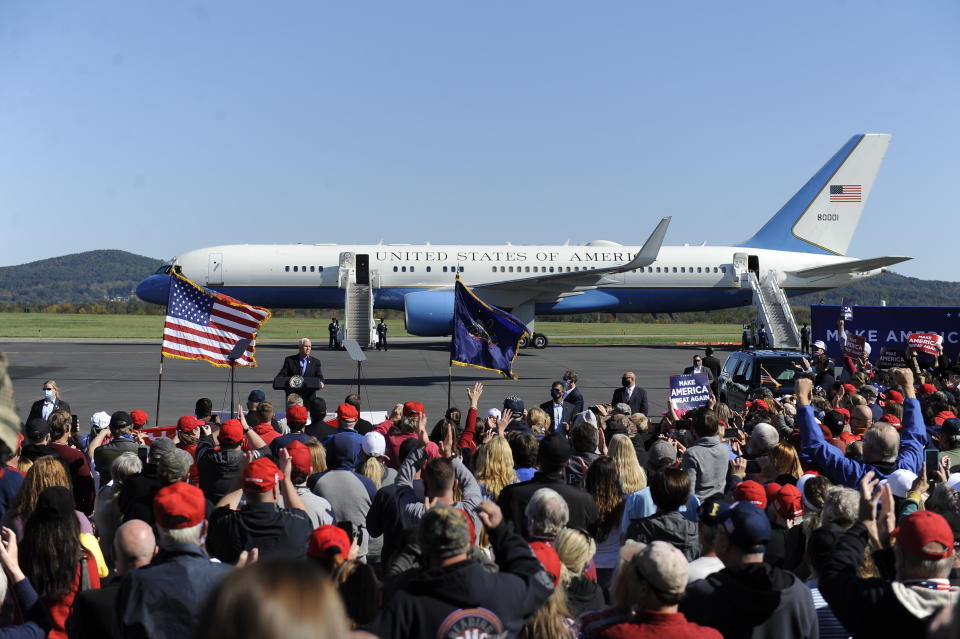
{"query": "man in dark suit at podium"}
[(304, 365)]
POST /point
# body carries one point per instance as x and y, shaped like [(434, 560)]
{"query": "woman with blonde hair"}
[(539, 421), (373, 462), (46, 472), (43, 408), (493, 467), (575, 549), (785, 461), (632, 475), (318, 454)]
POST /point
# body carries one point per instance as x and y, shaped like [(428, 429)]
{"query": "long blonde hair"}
[(318, 455), (632, 475), (539, 420), (493, 466), (374, 469), (575, 549), (785, 461)]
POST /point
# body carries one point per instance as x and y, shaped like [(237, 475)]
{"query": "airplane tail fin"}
[(823, 215)]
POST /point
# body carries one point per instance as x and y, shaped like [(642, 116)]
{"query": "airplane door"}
[(215, 270), (363, 269), (753, 264)]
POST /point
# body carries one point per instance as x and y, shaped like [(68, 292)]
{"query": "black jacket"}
[(104, 455), (165, 598), (93, 615), (638, 399), (219, 469), (753, 600), (875, 607), (275, 531), (514, 499), (291, 367), (465, 597), (569, 412), (575, 397), (584, 595), (671, 527), (36, 410)]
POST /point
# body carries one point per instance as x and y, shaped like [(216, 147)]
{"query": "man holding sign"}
[(690, 391), (856, 353)]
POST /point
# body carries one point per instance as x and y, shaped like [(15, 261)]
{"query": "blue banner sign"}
[(690, 391), (886, 328)]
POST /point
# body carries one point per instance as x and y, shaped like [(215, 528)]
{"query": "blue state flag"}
[(484, 336)]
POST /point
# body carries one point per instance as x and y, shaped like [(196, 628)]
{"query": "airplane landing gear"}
[(540, 340)]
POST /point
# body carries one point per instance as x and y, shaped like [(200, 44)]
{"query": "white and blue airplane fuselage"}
[(803, 245)]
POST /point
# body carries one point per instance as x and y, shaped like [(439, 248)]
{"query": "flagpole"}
[(156, 417)]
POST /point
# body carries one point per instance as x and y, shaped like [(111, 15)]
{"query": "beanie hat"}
[(444, 532)]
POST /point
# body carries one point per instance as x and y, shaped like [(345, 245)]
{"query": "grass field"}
[(40, 325)]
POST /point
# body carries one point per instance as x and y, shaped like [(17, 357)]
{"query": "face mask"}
[(556, 393), (566, 384), (625, 382), (48, 394)]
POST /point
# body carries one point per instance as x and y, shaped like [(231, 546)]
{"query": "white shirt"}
[(48, 406), (557, 414)]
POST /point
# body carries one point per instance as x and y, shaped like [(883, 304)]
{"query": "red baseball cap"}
[(752, 492), (327, 541), (300, 457), (348, 412), (138, 417), (926, 534), (188, 423), (261, 475), (413, 408), (771, 489), (789, 502), (942, 416), (761, 404), (845, 413), (179, 505), (297, 414), (231, 432), (894, 397), (850, 389), (927, 389), (893, 420)]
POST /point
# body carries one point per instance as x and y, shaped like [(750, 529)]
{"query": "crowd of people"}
[(813, 514)]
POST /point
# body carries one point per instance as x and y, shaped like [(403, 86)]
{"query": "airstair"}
[(774, 311), (355, 278)]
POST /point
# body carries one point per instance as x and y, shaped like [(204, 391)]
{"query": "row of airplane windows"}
[(535, 269)]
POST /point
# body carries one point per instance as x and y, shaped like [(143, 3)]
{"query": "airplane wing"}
[(549, 287), (853, 266)]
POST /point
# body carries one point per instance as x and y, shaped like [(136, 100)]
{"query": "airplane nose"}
[(155, 289)]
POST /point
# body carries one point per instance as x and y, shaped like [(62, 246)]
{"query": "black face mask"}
[(625, 382), (556, 393)]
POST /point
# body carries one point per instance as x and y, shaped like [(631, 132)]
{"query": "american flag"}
[(844, 192), (767, 378), (202, 324)]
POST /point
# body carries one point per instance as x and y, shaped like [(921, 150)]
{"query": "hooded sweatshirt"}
[(752, 600), (671, 527), (349, 493), (875, 607), (464, 598)]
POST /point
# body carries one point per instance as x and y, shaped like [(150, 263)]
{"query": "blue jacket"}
[(848, 472)]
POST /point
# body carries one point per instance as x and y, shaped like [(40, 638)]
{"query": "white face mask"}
[(47, 393)]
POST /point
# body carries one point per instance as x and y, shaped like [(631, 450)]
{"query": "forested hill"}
[(93, 276), (897, 290)]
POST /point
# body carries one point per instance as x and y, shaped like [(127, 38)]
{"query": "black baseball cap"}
[(36, 428)]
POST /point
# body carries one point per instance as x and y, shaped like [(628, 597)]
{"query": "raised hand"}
[(473, 394), (490, 514)]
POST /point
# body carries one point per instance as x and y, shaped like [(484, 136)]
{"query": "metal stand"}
[(238, 350)]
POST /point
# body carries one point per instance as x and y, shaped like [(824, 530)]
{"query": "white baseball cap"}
[(494, 412), (100, 420), (374, 445), (900, 481), (820, 344)]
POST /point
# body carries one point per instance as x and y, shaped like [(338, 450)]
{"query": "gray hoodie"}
[(706, 463)]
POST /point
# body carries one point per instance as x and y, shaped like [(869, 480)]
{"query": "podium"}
[(305, 387)]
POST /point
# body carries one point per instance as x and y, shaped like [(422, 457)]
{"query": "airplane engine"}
[(428, 313)]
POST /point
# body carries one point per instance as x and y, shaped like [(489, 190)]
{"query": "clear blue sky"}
[(158, 127)]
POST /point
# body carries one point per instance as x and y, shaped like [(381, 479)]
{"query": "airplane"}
[(802, 249)]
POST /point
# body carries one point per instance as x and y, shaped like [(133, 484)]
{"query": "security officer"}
[(382, 335), (333, 328)]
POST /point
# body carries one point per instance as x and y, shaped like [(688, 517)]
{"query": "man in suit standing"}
[(572, 394), (699, 367), (43, 408), (713, 364), (305, 365), (561, 412), (630, 394)]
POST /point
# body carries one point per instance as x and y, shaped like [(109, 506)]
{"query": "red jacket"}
[(60, 609), (657, 625)]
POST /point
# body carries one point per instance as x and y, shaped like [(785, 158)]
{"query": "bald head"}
[(861, 418), (881, 443), (134, 545)]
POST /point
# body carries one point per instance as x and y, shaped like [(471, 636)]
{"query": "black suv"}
[(740, 377)]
